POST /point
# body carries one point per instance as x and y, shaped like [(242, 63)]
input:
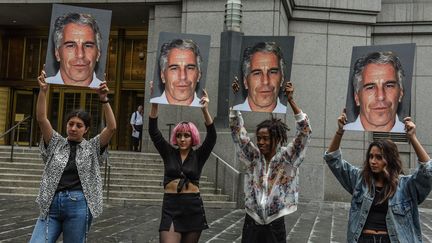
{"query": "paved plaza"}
[(313, 222)]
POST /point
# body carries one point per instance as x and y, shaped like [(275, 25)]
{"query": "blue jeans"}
[(69, 214)]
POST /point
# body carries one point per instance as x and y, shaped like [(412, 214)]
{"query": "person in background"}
[(136, 122)]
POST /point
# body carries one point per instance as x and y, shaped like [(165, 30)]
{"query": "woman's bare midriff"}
[(171, 187), (374, 232)]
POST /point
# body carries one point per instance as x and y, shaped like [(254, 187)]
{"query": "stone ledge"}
[(348, 11)]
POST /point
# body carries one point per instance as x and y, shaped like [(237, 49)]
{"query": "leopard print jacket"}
[(89, 158)]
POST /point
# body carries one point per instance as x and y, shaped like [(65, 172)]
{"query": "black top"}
[(376, 219), (70, 179), (190, 169)]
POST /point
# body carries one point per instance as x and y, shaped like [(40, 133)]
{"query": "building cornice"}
[(348, 11)]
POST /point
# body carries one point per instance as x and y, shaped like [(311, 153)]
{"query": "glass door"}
[(64, 101), (23, 107)]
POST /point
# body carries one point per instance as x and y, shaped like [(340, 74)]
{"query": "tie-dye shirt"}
[(272, 194)]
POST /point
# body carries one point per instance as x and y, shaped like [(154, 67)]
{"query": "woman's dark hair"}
[(81, 114), (277, 129), (392, 168)]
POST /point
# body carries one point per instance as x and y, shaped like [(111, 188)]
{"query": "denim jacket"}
[(402, 218)]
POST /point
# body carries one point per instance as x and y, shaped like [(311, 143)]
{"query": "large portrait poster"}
[(379, 89), (77, 46), (180, 70), (265, 68)]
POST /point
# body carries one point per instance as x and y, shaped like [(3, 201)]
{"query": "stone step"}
[(114, 193), (6, 154), (35, 159), (147, 182), (141, 157), (135, 160), (158, 188), (20, 177), (127, 170), (156, 195), (136, 178), (138, 157), (115, 172), (131, 201), (21, 165), (26, 171), (147, 176), (146, 165), (158, 202), (37, 163), (115, 178), (143, 186), (18, 190), (19, 149), (19, 183)]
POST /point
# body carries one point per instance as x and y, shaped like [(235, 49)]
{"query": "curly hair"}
[(277, 129), (392, 168)]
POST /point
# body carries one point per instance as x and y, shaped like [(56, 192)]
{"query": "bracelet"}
[(339, 133), (104, 101)]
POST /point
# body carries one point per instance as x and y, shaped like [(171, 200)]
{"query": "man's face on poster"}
[(181, 76), (77, 54), (264, 81), (378, 97)]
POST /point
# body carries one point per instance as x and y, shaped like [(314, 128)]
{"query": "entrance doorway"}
[(23, 108), (64, 101)]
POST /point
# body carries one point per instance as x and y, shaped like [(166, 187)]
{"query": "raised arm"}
[(154, 106), (247, 151), (421, 153), (108, 131), (289, 92), (41, 110), (210, 140), (204, 102), (344, 172), (154, 110), (337, 138), (420, 182), (295, 152)]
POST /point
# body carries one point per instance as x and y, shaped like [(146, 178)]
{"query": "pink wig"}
[(186, 127)]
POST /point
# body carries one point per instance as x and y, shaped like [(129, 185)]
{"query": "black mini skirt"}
[(185, 211)]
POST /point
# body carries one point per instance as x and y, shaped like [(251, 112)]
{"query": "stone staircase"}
[(135, 178)]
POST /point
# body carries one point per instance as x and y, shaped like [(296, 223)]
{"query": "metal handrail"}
[(226, 163), (12, 129), (235, 193), (107, 177), (14, 126)]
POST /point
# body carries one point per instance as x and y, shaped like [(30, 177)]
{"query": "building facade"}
[(325, 32)]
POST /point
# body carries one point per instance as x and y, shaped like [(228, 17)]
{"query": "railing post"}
[(105, 174), (31, 133), (12, 143), (239, 186), (216, 175), (109, 178)]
